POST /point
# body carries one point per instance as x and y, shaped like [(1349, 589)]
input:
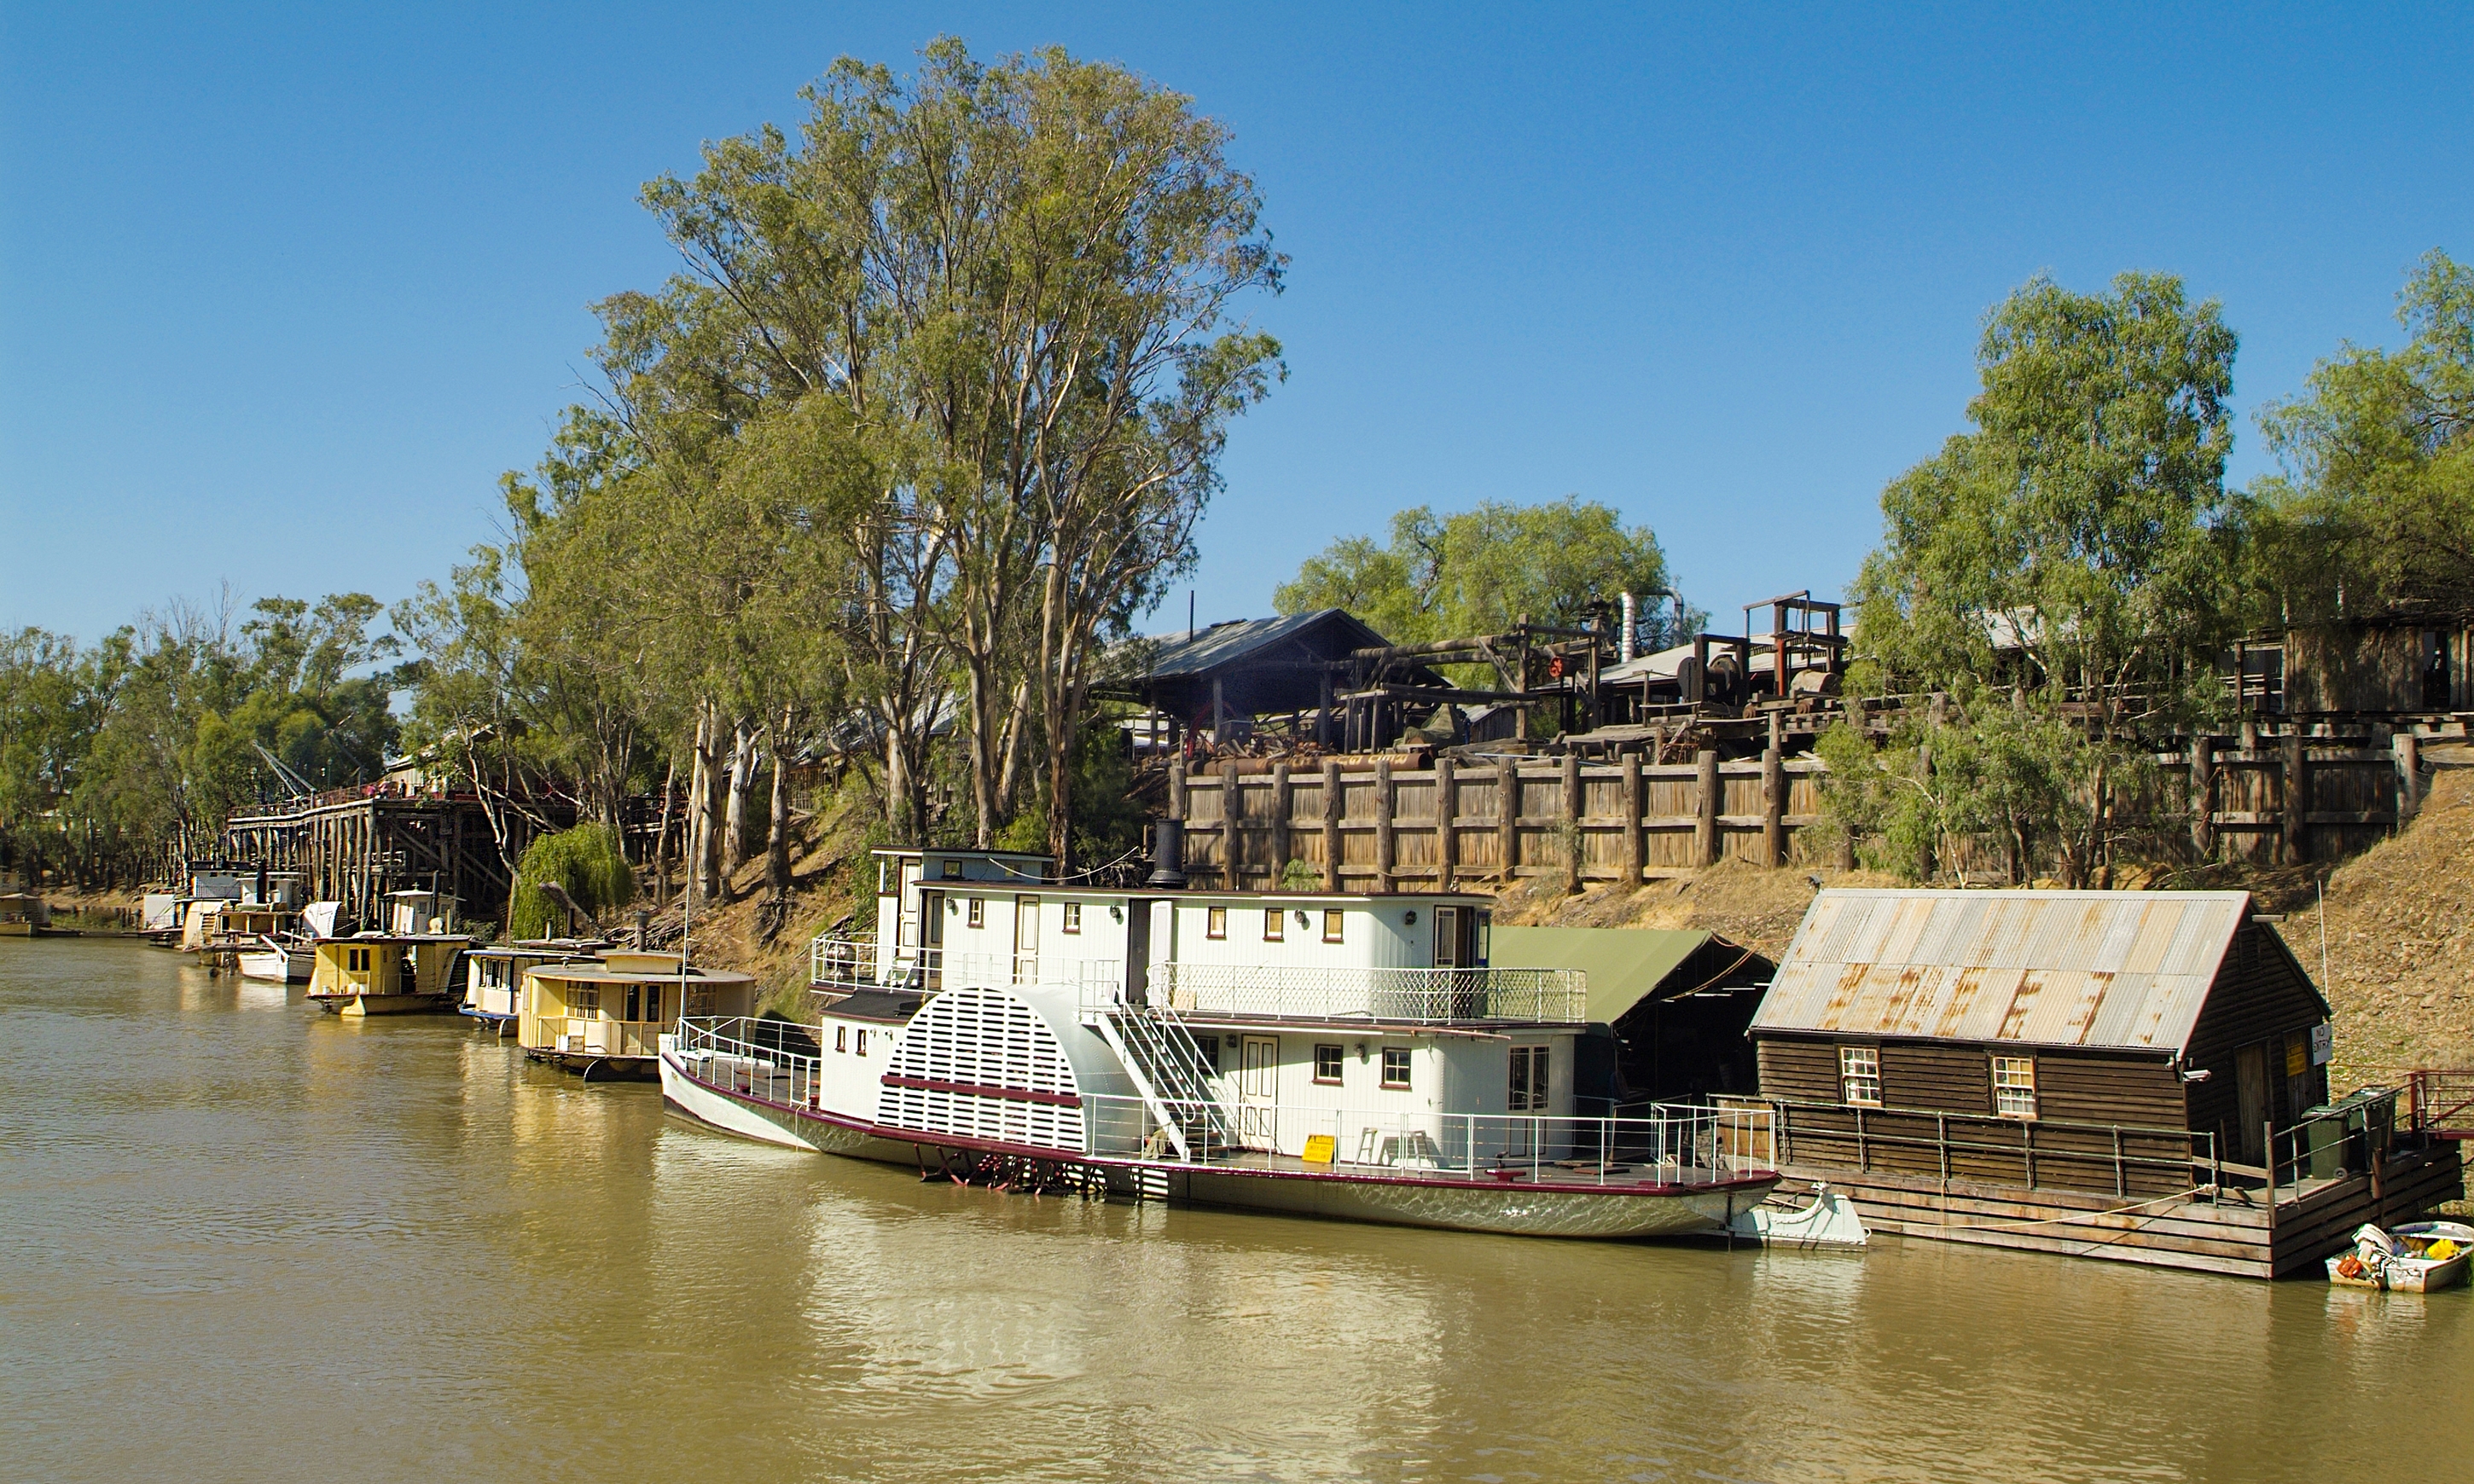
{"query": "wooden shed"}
[(2106, 1040)]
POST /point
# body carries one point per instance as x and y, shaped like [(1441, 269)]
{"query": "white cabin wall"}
[(846, 1080)]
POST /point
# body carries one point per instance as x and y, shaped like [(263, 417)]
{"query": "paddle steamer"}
[(1314, 1053)]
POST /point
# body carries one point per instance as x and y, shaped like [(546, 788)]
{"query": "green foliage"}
[(1298, 876), (2085, 515), (1481, 570), (154, 736), (2375, 508), (2004, 773), (587, 862)]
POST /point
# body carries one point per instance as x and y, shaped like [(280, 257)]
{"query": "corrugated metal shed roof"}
[(1240, 640), (2126, 970)]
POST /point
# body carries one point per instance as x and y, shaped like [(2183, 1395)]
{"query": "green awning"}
[(1625, 965)]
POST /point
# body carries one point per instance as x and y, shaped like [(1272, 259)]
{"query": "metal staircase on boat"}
[(1168, 1069)]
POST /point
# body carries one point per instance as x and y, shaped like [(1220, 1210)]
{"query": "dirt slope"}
[(2401, 943)]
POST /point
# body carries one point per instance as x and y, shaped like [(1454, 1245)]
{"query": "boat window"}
[(635, 1002), (1859, 1075), (584, 1002), (1529, 1069), (2014, 1087), (1327, 1064), (1396, 1066), (863, 1043), (1215, 922), (653, 1002), (841, 1037), (1209, 1046), (979, 912), (1275, 924), (1072, 916), (1447, 936), (1331, 919)]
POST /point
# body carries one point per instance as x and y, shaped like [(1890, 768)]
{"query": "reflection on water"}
[(240, 1239)]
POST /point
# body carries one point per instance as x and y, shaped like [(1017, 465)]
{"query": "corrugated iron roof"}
[(2117, 969), (1179, 656)]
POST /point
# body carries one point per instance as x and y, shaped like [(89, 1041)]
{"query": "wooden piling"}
[(1383, 838), (1773, 807), (1704, 824), (1507, 818), (1331, 824), (1232, 828), (1448, 808), (2296, 801), (2203, 797), (1571, 830), (1635, 847), (1281, 849)]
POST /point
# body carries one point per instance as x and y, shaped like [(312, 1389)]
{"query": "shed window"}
[(1072, 916), (1215, 922), (1332, 917), (1396, 1067), (1859, 1075), (2014, 1087), (1327, 1064), (1275, 924)]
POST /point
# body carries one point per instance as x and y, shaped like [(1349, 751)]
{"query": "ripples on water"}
[(242, 1240)]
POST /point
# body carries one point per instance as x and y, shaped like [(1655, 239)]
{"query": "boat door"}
[(929, 961), (1259, 1092), (2250, 1100), (1138, 952), (1025, 940)]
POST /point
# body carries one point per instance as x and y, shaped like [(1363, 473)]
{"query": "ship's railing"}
[(1528, 996), (755, 1058), (855, 963), (588, 1036), (1671, 1144), (842, 963)]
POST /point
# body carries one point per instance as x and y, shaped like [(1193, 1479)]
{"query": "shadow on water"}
[(240, 1239)]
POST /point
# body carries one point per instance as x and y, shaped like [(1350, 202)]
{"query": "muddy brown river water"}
[(242, 1240)]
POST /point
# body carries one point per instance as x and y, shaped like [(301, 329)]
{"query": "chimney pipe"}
[(1627, 642), (1168, 855)]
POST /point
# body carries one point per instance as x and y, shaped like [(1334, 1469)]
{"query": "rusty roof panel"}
[(2118, 970)]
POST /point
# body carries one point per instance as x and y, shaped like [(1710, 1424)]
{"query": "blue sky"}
[(283, 290)]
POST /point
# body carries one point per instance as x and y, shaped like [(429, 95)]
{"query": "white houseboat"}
[(1314, 1053), (493, 977)]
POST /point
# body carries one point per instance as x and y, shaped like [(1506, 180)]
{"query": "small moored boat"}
[(604, 1015), (2420, 1256), (289, 960), (493, 979)]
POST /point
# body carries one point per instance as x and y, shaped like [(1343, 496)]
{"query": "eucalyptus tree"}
[(2375, 506), (2069, 558), (1023, 273), (1480, 570)]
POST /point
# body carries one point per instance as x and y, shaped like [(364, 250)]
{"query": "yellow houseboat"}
[(493, 977), (380, 973), (24, 915), (605, 1016)]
